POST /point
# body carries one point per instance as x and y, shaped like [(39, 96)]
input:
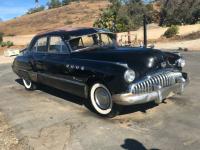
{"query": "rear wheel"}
[(101, 100), (29, 85)]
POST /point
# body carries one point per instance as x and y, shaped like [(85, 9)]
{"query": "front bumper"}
[(158, 95)]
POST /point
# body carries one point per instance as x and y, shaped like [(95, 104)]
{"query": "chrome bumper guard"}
[(158, 95)]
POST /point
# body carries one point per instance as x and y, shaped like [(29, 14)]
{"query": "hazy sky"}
[(13, 8)]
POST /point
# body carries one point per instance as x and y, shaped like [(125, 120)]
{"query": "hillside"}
[(73, 15), (22, 29)]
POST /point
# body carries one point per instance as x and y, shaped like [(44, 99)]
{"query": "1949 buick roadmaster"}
[(87, 62)]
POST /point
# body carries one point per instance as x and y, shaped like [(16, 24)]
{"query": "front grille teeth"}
[(164, 80)]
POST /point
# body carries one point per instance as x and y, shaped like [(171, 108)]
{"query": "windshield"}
[(89, 42)]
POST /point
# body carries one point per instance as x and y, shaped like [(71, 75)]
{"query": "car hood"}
[(141, 60)]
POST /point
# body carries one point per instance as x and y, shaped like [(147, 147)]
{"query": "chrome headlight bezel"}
[(129, 75), (181, 62)]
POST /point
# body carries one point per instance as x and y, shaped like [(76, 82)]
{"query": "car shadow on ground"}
[(131, 144), (135, 108), (82, 101), (57, 93)]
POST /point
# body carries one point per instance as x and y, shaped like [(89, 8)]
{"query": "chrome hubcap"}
[(102, 98)]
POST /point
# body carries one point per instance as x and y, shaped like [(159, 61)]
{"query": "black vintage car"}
[(87, 62)]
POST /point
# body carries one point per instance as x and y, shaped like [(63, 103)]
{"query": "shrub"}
[(66, 2), (1, 37), (9, 44), (34, 10), (54, 4), (171, 31), (3, 44), (68, 22), (11, 34)]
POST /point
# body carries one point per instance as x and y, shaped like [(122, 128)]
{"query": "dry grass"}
[(73, 15), (155, 32), (177, 38), (191, 36)]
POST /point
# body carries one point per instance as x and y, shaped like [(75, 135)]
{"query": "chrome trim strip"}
[(160, 80), (61, 79)]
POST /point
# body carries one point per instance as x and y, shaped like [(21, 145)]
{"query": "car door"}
[(39, 51), (56, 62)]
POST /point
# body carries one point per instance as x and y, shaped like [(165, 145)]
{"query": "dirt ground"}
[(8, 139), (5, 60), (191, 45), (155, 32)]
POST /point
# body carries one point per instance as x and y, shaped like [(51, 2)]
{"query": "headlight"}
[(129, 76), (181, 62)]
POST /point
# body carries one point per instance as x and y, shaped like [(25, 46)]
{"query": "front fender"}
[(110, 73)]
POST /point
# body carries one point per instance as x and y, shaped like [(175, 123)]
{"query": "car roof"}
[(70, 33)]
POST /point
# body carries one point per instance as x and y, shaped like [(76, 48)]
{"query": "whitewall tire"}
[(101, 99), (29, 85)]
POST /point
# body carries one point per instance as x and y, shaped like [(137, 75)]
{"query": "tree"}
[(66, 2), (124, 15), (54, 4), (1, 37), (196, 15), (171, 31), (34, 10), (179, 12)]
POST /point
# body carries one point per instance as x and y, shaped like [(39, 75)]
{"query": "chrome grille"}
[(163, 79)]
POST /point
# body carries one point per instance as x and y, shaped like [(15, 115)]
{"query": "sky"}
[(13, 8)]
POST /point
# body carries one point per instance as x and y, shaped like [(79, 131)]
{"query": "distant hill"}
[(73, 15)]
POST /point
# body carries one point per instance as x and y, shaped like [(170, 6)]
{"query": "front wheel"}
[(29, 85), (101, 100)]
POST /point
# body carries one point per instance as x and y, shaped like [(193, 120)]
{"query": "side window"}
[(40, 45), (34, 48), (88, 41), (106, 39), (56, 45)]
